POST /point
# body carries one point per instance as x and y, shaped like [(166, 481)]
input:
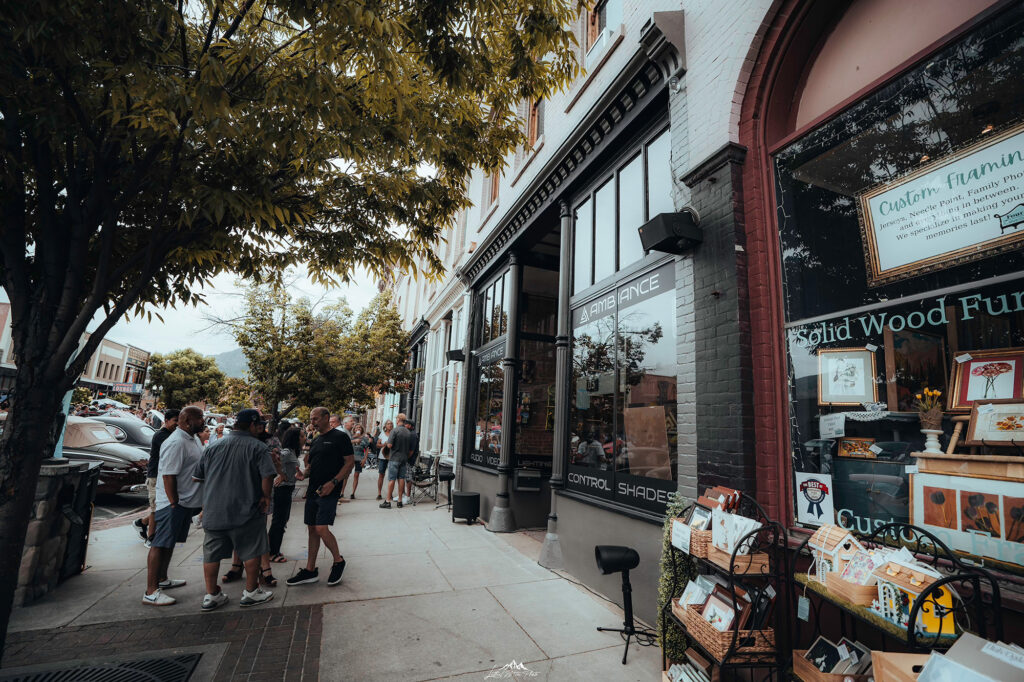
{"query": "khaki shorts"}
[(249, 540), (151, 489)]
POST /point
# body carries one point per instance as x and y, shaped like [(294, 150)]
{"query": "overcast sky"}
[(189, 328)]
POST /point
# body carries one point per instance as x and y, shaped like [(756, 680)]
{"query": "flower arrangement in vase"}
[(929, 409)]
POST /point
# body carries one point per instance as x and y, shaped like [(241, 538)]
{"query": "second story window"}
[(597, 21), (491, 184), (535, 123)]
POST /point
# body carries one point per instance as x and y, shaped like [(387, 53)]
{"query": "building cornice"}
[(454, 287), (656, 60)]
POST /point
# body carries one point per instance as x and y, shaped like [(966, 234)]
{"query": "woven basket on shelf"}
[(746, 564), (700, 540), (749, 643)]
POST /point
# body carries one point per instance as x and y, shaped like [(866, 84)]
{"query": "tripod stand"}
[(611, 559)]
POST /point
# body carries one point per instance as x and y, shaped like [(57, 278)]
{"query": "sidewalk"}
[(422, 599)]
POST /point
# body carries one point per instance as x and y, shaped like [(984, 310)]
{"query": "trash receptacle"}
[(78, 510), (465, 506)]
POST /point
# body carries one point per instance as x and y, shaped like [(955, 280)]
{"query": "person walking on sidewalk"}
[(361, 448), (238, 473), (383, 452), (177, 501), (414, 453), (284, 489), (330, 459), (147, 527), (401, 444)]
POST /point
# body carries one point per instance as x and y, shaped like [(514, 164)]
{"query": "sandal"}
[(279, 559), (234, 574), (267, 578)]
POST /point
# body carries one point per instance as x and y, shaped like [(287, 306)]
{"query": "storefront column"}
[(502, 519), (551, 552)]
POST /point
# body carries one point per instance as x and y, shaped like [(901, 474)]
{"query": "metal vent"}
[(167, 669)]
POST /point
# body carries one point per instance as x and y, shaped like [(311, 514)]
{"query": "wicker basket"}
[(805, 671), (862, 595), (700, 540), (757, 643), (746, 564)]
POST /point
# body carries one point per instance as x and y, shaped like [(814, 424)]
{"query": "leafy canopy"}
[(173, 141), (235, 396), (185, 377)]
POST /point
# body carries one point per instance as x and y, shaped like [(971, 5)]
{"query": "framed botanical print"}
[(986, 375), (996, 423), (846, 376)]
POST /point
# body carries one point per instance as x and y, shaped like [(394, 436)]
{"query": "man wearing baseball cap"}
[(238, 474)]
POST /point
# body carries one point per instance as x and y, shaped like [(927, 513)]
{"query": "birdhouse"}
[(832, 547), (899, 586)]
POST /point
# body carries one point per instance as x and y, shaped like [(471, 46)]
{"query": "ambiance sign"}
[(963, 207)]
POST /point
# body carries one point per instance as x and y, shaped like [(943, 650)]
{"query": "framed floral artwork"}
[(846, 376), (986, 375), (997, 423)]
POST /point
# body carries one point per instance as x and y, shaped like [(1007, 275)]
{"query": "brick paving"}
[(263, 644)]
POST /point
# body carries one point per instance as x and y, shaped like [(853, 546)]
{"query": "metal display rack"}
[(743, 649), (975, 608)]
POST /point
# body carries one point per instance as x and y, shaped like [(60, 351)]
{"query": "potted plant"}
[(929, 408)]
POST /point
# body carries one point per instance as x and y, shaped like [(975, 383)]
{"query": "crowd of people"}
[(232, 480)]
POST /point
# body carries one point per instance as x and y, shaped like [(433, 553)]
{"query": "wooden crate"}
[(862, 595), (892, 667), (804, 670), (746, 564), (759, 643)]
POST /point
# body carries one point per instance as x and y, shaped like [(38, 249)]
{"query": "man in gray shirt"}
[(178, 498), (401, 445), (238, 473)]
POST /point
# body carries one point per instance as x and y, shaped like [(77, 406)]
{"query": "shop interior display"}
[(973, 659), (734, 608)]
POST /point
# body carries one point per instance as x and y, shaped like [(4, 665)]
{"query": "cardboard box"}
[(893, 667)]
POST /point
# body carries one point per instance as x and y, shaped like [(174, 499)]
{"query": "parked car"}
[(121, 466), (128, 430)]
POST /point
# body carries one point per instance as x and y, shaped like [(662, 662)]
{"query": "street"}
[(109, 507)]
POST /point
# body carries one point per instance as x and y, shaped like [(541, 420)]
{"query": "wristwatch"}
[(335, 481)]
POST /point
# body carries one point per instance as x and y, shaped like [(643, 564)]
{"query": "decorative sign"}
[(960, 208), (814, 501), (126, 388), (832, 425), (640, 289)]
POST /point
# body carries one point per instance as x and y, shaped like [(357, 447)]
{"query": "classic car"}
[(128, 429), (121, 466)]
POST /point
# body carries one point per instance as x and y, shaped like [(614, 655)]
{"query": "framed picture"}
[(996, 422), (718, 613), (988, 375), (743, 605), (981, 517), (695, 594), (846, 376), (699, 517), (856, 447), (860, 657), (912, 359), (823, 655)]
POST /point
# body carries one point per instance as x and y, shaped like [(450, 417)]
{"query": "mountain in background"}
[(232, 363)]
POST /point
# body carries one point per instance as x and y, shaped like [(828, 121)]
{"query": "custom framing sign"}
[(960, 208)]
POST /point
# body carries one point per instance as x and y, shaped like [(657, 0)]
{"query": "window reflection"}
[(593, 394), (604, 231), (535, 404), (583, 261), (631, 211), (659, 176), (490, 396)]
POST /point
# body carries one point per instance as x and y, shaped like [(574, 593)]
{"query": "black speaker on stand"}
[(613, 559)]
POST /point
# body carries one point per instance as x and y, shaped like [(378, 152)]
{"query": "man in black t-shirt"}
[(331, 458)]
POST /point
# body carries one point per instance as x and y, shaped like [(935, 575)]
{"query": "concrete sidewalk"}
[(422, 599)]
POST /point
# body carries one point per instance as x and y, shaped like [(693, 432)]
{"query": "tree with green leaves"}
[(122, 398), (185, 377), (236, 395), (173, 141), (81, 395)]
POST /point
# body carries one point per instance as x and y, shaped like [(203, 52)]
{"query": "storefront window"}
[(493, 307), (535, 406), (638, 188), (623, 444), (486, 450), (901, 243)]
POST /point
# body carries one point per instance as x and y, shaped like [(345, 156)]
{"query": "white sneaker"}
[(257, 596), (406, 500), (212, 601), (148, 543), (158, 598), (170, 584)]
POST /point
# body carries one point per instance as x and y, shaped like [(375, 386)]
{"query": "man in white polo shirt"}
[(178, 499)]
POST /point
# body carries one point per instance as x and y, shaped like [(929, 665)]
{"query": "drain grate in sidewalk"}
[(166, 669)]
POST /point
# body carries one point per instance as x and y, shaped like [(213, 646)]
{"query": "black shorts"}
[(172, 524), (320, 511), (359, 467)]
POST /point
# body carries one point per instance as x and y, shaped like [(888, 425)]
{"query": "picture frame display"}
[(719, 613), (996, 423), (913, 358), (856, 447), (847, 377), (824, 655), (699, 517), (988, 375)]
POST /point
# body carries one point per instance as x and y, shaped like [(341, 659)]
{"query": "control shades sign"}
[(963, 207)]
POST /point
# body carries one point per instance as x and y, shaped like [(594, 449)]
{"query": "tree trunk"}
[(26, 441)]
